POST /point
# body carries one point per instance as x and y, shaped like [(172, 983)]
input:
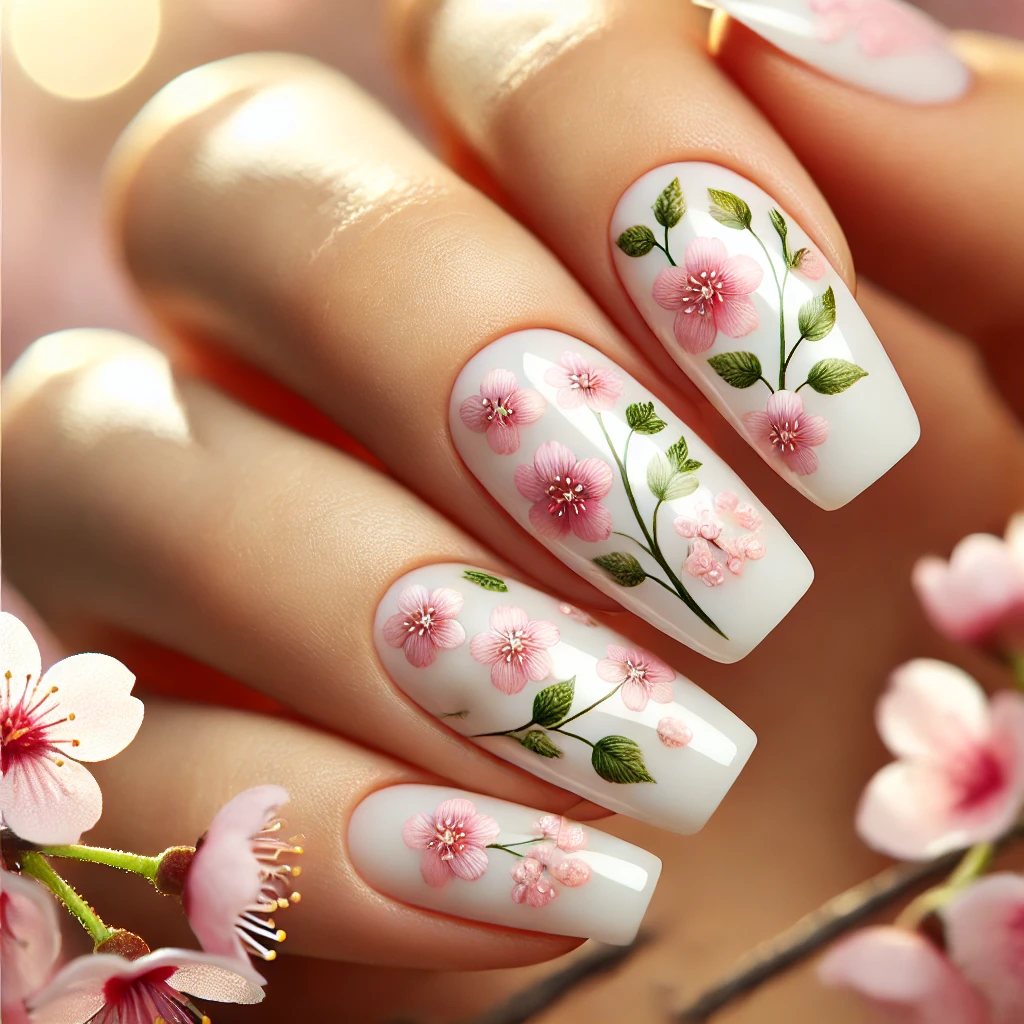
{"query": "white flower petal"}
[(19, 655), (47, 804)]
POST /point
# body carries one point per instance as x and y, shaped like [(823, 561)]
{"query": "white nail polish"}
[(488, 860), (882, 46), (708, 259), (599, 471), (541, 684)]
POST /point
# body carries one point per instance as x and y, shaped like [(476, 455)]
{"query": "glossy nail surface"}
[(749, 308), (488, 860), (543, 685), (882, 46), (619, 488)]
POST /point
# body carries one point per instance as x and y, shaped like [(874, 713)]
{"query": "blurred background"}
[(74, 73)]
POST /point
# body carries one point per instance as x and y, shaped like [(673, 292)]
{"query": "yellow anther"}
[(281, 935), (71, 717), (295, 897), (271, 954)]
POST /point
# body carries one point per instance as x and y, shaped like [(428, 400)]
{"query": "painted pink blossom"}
[(882, 27), (81, 710), (570, 871), (702, 564), (515, 647), (425, 623), (106, 989), (453, 840), (903, 976), (580, 383), (959, 779), (742, 513), (978, 595), (715, 540), (239, 876), (809, 263), (565, 834), (710, 293), (533, 886), (788, 432), (984, 927), (643, 677), (500, 409), (29, 942), (673, 732), (566, 494)]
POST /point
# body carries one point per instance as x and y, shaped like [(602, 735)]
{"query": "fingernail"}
[(542, 684), (710, 260), (489, 860), (883, 46), (600, 472)]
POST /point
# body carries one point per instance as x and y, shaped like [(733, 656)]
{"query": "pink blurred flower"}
[(809, 263), (674, 733), (106, 989), (29, 942), (565, 834), (515, 647), (532, 886), (566, 494), (978, 595), (985, 939), (882, 27), (643, 677), (579, 383), (788, 432), (959, 779), (453, 840), (82, 709), (425, 623), (710, 293), (501, 409), (238, 877), (903, 976)]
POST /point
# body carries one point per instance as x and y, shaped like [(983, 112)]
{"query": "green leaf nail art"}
[(552, 704), (833, 376), (540, 743), (670, 206), (637, 240), (729, 210), (486, 580), (640, 417), (619, 759), (623, 568), (817, 316), (739, 369)]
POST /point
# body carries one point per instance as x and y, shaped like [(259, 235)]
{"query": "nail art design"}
[(500, 409), (884, 46), (708, 258), (425, 623), (493, 861), (574, 703), (627, 496)]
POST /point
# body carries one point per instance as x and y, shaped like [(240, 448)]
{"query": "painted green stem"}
[(781, 288), (572, 735), (133, 862), (764, 381), (37, 866), (600, 700), (639, 543)]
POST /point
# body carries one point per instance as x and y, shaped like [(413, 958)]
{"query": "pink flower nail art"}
[(533, 886), (453, 840), (567, 835), (425, 623), (643, 676), (788, 432), (808, 263), (515, 647), (882, 27), (710, 293), (580, 383), (501, 409), (566, 494), (716, 546), (674, 733)]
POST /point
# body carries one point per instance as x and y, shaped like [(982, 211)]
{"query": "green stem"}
[(499, 846), (638, 543), (766, 384), (133, 862), (792, 352), (661, 582), (780, 287), (36, 865), (502, 732), (580, 714), (805, 383), (563, 732), (972, 866)]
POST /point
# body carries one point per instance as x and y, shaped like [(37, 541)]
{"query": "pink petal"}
[(593, 525), (529, 484), (97, 690), (571, 398), (474, 414), (19, 655), (542, 632), (418, 831), (420, 650), (611, 669), (813, 429), (498, 384), (49, 805), (596, 477), (661, 691), (447, 603), (486, 648), (656, 670), (574, 363), (785, 407), (482, 830), (811, 265), (695, 332), (930, 709), (413, 599), (802, 461), (30, 938), (537, 665), (546, 524), (572, 872), (447, 633), (674, 733), (901, 970), (508, 676), (434, 871), (553, 459), (985, 936), (736, 316), (705, 254), (503, 436), (507, 618), (395, 630), (670, 290), (528, 406), (739, 275), (759, 427), (635, 694), (558, 376), (470, 864)]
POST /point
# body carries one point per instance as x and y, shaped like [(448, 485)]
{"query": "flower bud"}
[(172, 869), (123, 943)]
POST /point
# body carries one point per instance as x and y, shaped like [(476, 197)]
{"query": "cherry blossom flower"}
[(984, 927), (742, 513), (882, 27), (566, 494), (978, 595), (565, 834), (106, 989), (710, 293), (674, 733), (579, 383), (453, 840), (903, 975), (643, 677), (533, 886), (501, 409), (29, 942), (570, 871), (713, 532), (788, 432), (81, 710), (808, 263), (515, 647), (702, 565), (425, 623), (239, 877), (959, 779)]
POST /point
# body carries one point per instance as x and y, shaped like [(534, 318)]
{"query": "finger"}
[(963, 159), (377, 304), (184, 518), (667, 189)]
